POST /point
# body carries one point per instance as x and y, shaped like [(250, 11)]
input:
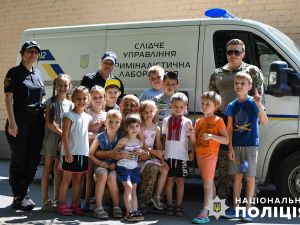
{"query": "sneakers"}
[(231, 214), (21, 204), (247, 218), (201, 219), (29, 200)]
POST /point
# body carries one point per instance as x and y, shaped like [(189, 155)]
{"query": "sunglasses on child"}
[(236, 52)]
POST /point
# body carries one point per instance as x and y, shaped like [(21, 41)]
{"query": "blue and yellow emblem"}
[(217, 206), (84, 61), (53, 70)]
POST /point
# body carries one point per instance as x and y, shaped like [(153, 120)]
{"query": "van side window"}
[(220, 40), (258, 52), (265, 54)]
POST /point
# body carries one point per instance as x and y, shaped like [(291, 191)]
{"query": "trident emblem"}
[(84, 61)]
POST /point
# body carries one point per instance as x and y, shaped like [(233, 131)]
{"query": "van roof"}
[(150, 24)]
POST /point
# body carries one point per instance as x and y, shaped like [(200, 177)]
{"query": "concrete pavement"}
[(193, 200)]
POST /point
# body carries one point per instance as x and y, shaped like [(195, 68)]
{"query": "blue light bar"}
[(217, 13)]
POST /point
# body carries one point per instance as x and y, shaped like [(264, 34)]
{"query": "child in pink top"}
[(150, 133), (96, 126)]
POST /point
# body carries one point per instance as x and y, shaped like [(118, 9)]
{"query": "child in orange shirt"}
[(207, 135)]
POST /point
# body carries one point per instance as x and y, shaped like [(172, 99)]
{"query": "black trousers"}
[(25, 150)]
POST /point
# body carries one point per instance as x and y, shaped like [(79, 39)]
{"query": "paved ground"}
[(192, 202)]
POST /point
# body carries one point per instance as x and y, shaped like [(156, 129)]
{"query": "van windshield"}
[(287, 41)]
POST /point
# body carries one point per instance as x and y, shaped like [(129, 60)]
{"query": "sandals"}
[(53, 207), (178, 211), (117, 212), (138, 215), (78, 203), (200, 219), (100, 213), (57, 202), (86, 207), (64, 210), (132, 216), (170, 210), (160, 205), (76, 209), (93, 200)]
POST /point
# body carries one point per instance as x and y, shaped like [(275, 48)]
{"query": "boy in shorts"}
[(207, 135), (243, 114), (175, 142), (105, 168), (156, 76), (112, 91)]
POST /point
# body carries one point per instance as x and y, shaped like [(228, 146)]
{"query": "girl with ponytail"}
[(55, 105)]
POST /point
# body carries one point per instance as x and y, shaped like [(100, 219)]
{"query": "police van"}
[(194, 49)]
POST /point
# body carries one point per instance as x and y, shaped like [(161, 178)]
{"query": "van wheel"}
[(288, 177)]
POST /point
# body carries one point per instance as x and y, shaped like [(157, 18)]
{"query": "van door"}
[(173, 48), (75, 53), (260, 51)]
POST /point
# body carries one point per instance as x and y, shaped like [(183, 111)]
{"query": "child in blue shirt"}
[(156, 76), (105, 168), (243, 114)]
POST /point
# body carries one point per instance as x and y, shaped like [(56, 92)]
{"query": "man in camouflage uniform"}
[(130, 104), (222, 82)]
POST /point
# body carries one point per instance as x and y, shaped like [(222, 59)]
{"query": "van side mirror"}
[(283, 80)]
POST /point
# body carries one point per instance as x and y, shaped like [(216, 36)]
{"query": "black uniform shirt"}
[(91, 79), (107, 108), (27, 87)]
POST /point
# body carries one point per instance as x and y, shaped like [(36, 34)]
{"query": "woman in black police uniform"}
[(25, 127)]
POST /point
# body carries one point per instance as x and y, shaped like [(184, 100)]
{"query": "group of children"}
[(93, 120)]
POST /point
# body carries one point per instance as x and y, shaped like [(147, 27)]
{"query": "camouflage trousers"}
[(144, 188), (224, 180)]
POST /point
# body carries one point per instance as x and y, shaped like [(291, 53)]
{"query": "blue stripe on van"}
[(57, 69), (282, 116)]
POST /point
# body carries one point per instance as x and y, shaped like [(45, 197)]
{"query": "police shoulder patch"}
[(7, 82)]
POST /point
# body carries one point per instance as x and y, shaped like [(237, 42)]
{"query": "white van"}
[(193, 48)]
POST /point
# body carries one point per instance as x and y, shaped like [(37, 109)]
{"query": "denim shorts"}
[(98, 168), (124, 174)]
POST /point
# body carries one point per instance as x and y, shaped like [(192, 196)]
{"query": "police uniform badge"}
[(84, 61), (7, 82)]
